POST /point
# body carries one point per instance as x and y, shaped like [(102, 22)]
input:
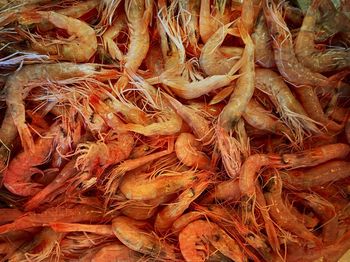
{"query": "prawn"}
[(115, 252), (141, 187), (282, 215), (316, 156), (244, 89), (111, 33), (262, 41), (326, 211), (131, 234), (174, 210), (212, 60), (195, 237), (309, 56), (288, 65), (80, 49), (181, 222), (78, 213), (317, 176), (199, 125), (17, 176), (16, 93), (290, 109), (188, 151), (67, 171), (260, 118)]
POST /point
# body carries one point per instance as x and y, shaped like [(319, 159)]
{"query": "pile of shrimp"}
[(140, 130)]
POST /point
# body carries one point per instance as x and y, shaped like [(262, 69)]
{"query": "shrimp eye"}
[(216, 237)]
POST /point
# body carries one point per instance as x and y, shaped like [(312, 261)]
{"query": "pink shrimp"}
[(288, 65), (131, 233), (20, 170), (174, 210), (188, 150), (282, 215)]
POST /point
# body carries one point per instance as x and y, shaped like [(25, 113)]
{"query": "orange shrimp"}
[(199, 125), (244, 89), (80, 49), (288, 65), (188, 151), (9, 215), (174, 210), (262, 41), (181, 222), (141, 187), (78, 213), (131, 234), (327, 213), (115, 252), (282, 215), (17, 177), (15, 92), (195, 237), (316, 156), (317, 176), (40, 197), (309, 56), (213, 60)]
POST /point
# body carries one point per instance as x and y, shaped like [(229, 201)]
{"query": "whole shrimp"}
[(141, 187), (174, 210), (131, 233), (244, 89), (282, 215), (16, 93), (188, 151), (17, 177), (80, 49), (309, 56), (195, 237), (288, 65)]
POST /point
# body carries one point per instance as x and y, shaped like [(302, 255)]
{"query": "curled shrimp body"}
[(141, 187), (17, 177), (131, 234), (288, 65), (262, 41), (172, 211), (227, 190), (319, 175), (309, 56), (244, 89), (282, 215), (80, 49), (316, 156), (187, 149), (16, 93), (195, 237), (212, 60)]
